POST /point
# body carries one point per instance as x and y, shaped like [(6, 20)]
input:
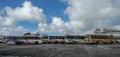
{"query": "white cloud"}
[(91, 9), (57, 25), (13, 30), (84, 15), (8, 22), (27, 12), (90, 14)]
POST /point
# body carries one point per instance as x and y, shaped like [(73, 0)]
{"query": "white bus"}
[(118, 39), (57, 39), (53, 39), (31, 39), (2, 39), (72, 39), (24, 39)]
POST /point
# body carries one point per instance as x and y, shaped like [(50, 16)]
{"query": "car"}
[(10, 42)]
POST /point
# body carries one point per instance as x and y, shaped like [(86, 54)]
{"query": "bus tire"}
[(56, 42), (62, 42), (44, 42), (36, 42), (100, 42), (116, 41), (49, 42), (20, 43), (111, 42)]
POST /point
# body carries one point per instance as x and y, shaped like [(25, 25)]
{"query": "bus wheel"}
[(49, 42), (111, 42), (74, 42), (19, 43), (36, 42), (44, 43), (62, 42), (116, 41), (56, 42), (100, 42)]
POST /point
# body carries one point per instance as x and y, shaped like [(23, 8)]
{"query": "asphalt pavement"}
[(59, 50)]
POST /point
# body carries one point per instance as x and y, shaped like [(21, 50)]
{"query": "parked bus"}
[(118, 39), (32, 39), (12, 38), (74, 39), (100, 39), (2, 39), (57, 39), (45, 39), (24, 39), (53, 39)]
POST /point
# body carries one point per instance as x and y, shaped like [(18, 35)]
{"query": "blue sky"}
[(58, 16), (51, 8)]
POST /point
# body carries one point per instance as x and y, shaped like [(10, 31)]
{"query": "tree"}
[(28, 33)]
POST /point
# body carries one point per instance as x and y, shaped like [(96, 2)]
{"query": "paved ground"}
[(59, 50)]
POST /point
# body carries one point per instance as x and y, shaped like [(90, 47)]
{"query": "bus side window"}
[(87, 38), (118, 38)]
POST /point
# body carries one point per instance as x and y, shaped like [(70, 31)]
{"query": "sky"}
[(58, 17)]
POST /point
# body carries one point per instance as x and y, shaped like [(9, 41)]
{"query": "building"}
[(107, 31)]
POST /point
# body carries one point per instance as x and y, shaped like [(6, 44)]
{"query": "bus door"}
[(86, 39)]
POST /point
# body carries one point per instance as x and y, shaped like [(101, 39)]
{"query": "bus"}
[(53, 39), (57, 39), (45, 39), (117, 39), (24, 39), (71, 39), (100, 39), (2, 39), (31, 39)]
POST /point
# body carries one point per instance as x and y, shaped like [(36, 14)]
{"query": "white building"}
[(107, 31)]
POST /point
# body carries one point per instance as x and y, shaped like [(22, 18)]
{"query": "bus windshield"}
[(86, 38)]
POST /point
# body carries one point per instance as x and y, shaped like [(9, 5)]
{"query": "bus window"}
[(87, 38)]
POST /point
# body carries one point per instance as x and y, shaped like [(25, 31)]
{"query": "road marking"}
[(104, 47)]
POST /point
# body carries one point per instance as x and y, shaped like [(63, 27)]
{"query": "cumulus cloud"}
[(84, 16), (92, 9), (90, 14), (13, 30), (27, 12), (57, 25)]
